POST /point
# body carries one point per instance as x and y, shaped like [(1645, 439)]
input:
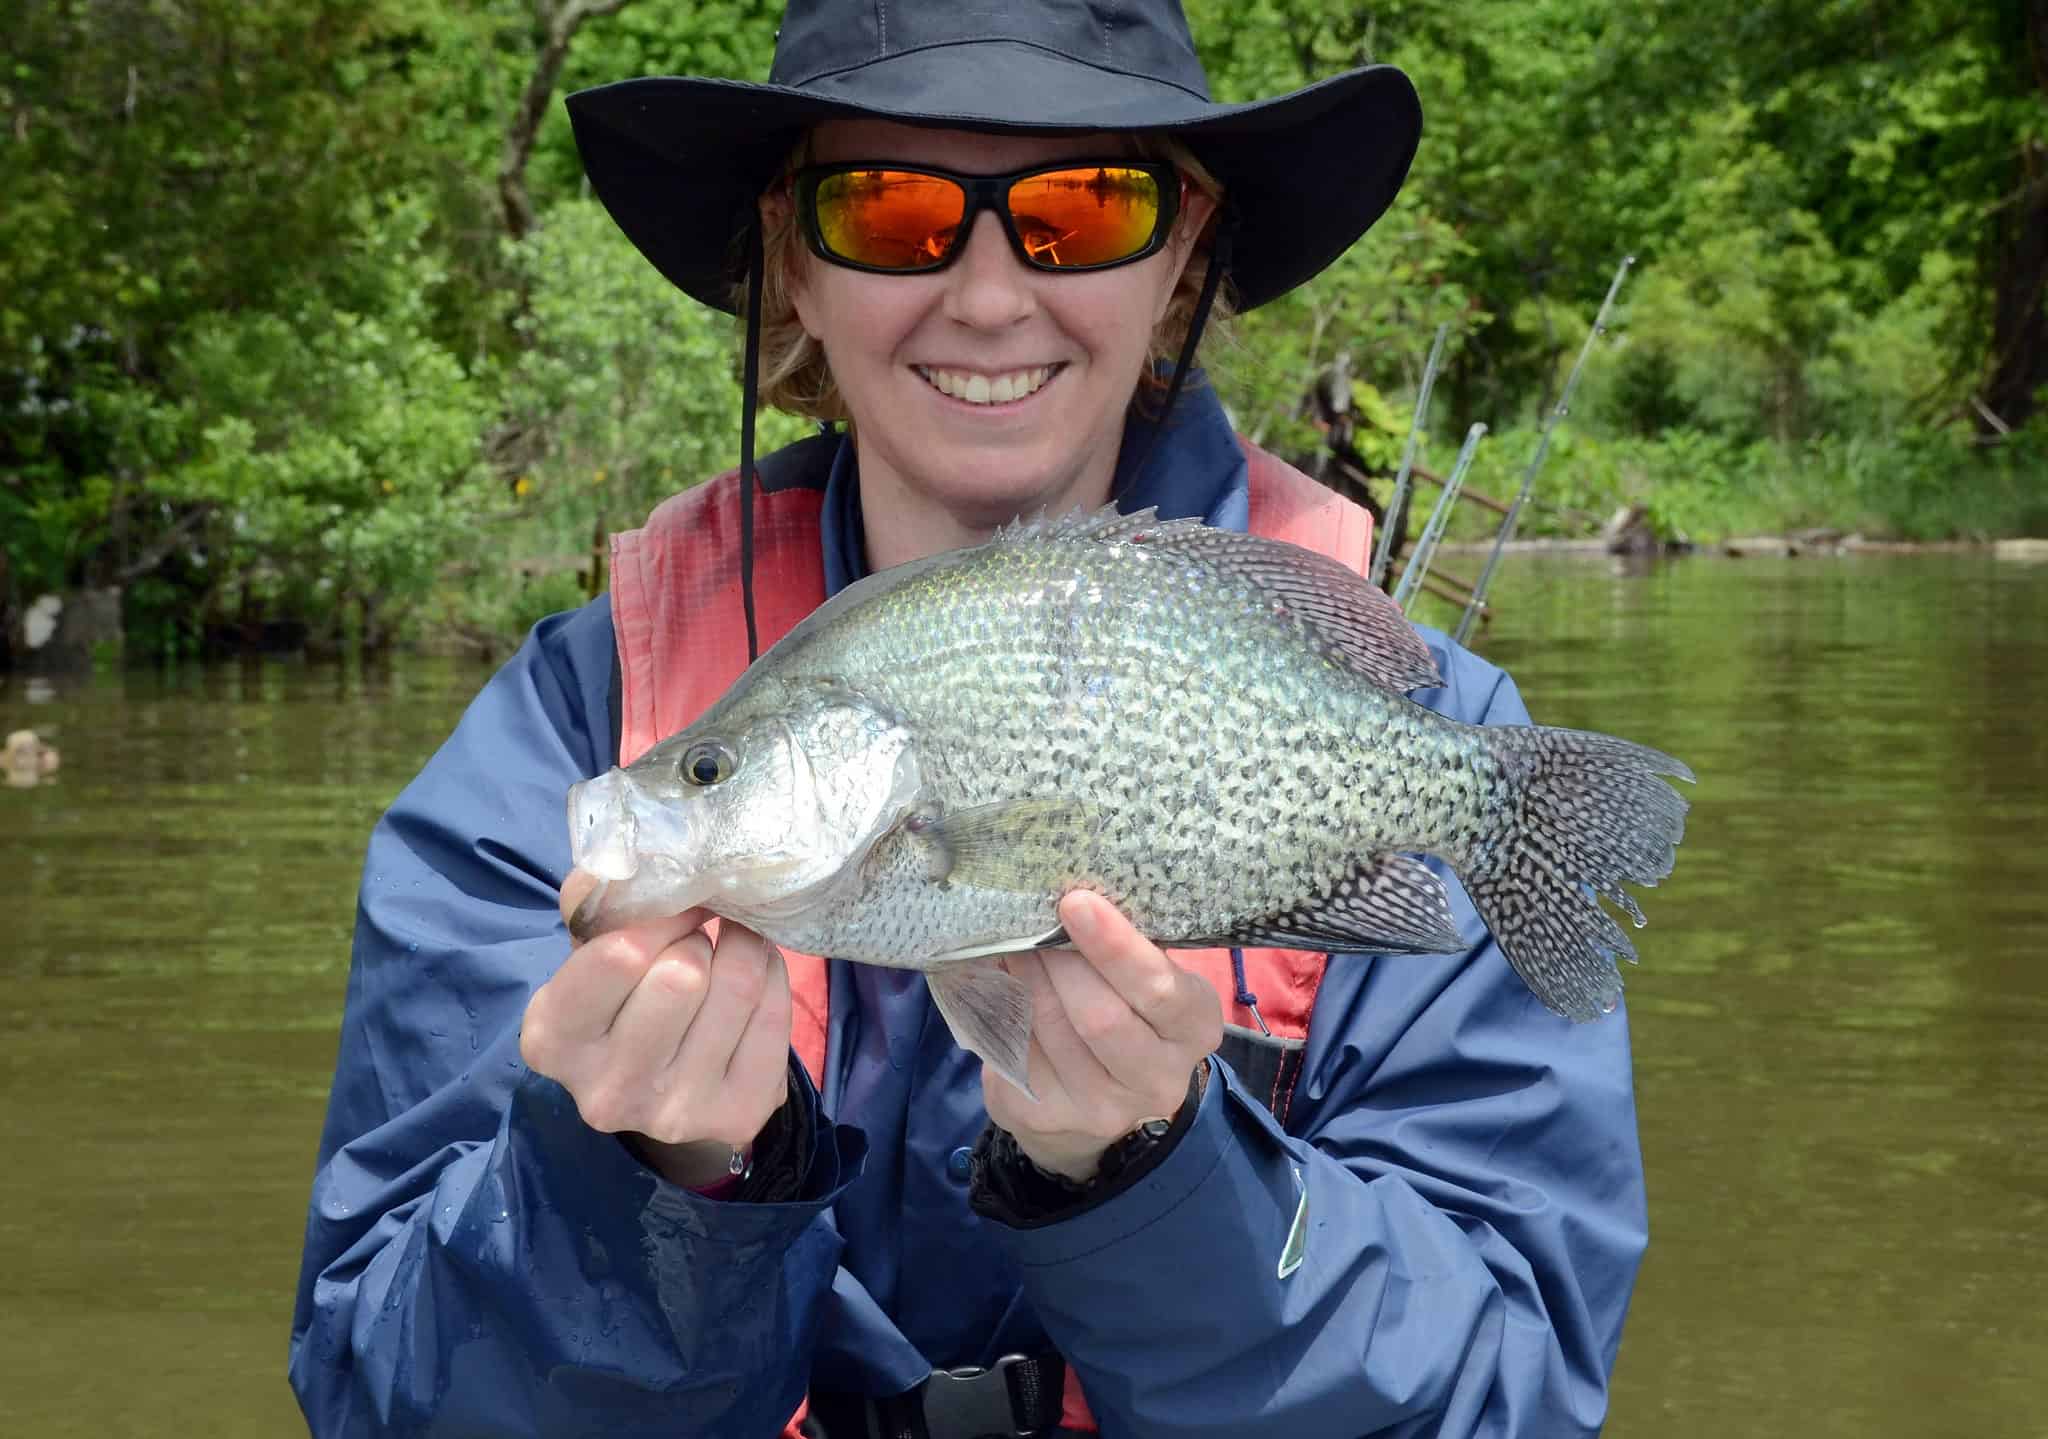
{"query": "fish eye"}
[(706, 763)]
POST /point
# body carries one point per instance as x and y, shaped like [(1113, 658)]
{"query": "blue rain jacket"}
[(479, 1262)]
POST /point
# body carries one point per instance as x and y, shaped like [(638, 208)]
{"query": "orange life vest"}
[(682, 641)]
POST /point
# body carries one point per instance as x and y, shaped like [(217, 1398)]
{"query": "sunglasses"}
[(909, 220)]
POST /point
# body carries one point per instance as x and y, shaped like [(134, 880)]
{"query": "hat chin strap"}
[(750, 389)]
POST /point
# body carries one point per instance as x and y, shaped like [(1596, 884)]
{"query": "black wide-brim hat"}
[(679, 162)]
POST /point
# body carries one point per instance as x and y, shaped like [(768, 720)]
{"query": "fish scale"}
[(1050, 743), (1209, 728)]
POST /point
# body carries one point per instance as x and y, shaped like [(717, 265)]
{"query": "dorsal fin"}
[(1351, 620), (1106, 526)]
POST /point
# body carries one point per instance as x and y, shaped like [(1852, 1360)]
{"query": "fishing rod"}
[(1385, 553), (1425, 548), (1558, 412)]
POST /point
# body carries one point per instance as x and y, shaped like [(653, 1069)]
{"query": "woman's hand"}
[(1117, 1029), (658, 1035)]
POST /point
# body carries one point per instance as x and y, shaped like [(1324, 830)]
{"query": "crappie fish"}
[(1209, 728)]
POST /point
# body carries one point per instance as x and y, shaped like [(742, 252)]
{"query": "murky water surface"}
[(1841, 1019)]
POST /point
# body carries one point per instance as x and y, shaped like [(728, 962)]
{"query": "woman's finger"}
[(1126, 1046), (760, 1061), (1018, 1112), (1150, 983), (738, 980), (1067, 1074), (575, 889), (653, 1022), (582, 999)]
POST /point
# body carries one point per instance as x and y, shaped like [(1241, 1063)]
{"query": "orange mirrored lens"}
[(903, 220), (891, 219), (1090, 215)]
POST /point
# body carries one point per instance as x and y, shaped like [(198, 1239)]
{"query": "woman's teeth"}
[(987, 390)]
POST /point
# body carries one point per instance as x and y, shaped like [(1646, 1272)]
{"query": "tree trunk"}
[(2019, 323), (562, 22)]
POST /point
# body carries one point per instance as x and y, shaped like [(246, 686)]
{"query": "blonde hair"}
[(794, 376)]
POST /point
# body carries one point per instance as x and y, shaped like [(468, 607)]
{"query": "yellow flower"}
[(522, 487)]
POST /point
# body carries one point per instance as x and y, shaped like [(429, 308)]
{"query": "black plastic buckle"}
[(974, 1403)]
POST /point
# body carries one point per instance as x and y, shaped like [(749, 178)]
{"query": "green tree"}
[(626, 391), (330, 443)]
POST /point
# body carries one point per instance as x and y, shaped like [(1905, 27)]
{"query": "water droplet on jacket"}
[(1611, 1003)]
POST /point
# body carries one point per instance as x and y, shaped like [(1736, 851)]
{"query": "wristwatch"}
[(1009, 1187)]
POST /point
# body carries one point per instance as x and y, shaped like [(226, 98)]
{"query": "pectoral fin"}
[(989, 1012), (1027, 846)]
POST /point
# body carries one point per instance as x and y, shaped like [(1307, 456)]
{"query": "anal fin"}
[(1391, 905)]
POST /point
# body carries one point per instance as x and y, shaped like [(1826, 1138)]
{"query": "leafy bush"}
[(333, 450), (626, 392)]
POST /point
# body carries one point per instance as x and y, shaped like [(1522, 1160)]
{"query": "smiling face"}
[(986, 390)]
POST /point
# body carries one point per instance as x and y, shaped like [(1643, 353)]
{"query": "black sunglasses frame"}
[(987, 192)]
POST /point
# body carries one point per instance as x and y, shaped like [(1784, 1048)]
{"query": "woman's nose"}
[(988, 287)]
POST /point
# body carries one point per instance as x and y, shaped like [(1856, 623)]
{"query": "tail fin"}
[(1590, 811)]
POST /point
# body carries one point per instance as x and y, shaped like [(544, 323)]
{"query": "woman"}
[(660, 1184)]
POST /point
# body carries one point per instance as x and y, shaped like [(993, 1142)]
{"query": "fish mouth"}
[(644, 852), (604, 830)]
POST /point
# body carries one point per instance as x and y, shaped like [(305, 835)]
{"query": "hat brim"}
[(679, 161)]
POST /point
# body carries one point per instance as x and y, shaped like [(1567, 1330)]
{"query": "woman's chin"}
[(989, 506), (990, 484)]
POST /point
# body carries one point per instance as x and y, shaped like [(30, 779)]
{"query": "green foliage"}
[(334, 447), (1749, 297), (265, 353), (730, 38), (1380, 303), (626, 391), (199, 151), (1915, 484)]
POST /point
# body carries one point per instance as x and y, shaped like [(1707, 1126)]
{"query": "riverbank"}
[(2030, 551)]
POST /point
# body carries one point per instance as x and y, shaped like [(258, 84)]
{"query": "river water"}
[(1841, 1019)]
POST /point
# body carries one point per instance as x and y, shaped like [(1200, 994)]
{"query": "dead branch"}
[(562, 24)]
